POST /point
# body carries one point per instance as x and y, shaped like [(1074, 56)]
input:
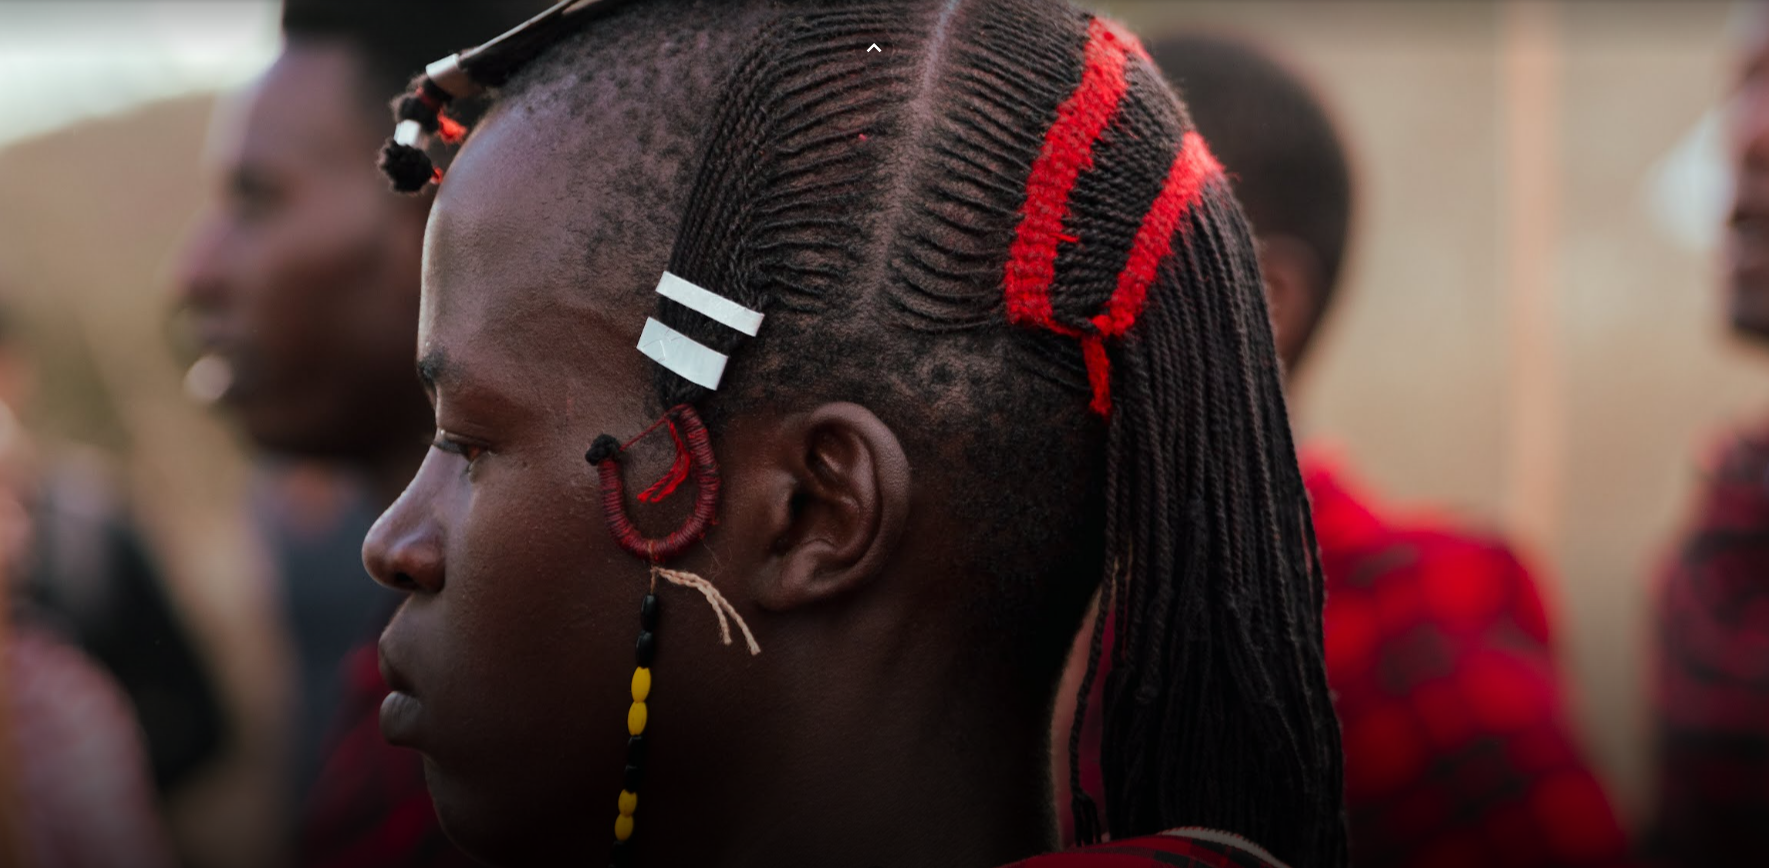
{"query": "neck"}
[(925, 766)]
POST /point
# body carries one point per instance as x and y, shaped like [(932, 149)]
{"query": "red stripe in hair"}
[(1067, 152), (1191, 169), (1194, 166)]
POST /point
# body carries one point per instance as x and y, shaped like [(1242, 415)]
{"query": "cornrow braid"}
[(1005, 237)]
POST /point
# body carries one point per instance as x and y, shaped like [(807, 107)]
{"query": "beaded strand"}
[(637, 716)]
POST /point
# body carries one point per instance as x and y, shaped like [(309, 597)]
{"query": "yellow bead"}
[(636, 719), (623, 827), (641, 684), (629, 803)]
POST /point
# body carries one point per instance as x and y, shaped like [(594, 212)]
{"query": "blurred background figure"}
[(88, 575), (1457, 741), (1439, 653), (77, 791), (299, 287), (1712, 670)]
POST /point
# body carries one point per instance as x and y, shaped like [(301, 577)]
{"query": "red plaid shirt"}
[(1458, 750), (1712, 670)]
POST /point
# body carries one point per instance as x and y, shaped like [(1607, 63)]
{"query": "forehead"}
[(307, 106), (534, 259)]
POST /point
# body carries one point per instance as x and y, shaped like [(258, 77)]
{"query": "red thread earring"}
[(694, 460)]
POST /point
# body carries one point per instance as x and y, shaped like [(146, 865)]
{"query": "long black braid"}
[(876, 206)]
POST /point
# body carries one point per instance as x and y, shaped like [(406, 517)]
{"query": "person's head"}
[(1287, 164), (1747, 128), (301, 277), (1014, 345)]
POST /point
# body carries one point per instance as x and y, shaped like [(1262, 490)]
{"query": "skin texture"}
[(1747, 238), (303, 271), (859, 732)]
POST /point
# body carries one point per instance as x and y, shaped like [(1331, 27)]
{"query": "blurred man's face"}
[(301, 279), (1747, 241)]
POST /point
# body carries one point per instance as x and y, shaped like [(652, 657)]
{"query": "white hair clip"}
[(686, 357)]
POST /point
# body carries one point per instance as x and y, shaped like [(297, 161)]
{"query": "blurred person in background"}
[(1711, 733), (300, 284), (1458, 746), (78, 792), (88, 575)]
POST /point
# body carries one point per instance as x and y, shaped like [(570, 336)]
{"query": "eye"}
[(454, 445)]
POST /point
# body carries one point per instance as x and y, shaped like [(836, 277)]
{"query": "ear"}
[(836, 518), (1293, 293)]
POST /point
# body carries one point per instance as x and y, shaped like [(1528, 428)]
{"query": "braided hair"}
[(1290, 168), (1004, 236)]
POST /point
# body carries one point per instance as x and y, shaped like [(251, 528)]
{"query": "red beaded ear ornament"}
[(694, 460), (703, 366)]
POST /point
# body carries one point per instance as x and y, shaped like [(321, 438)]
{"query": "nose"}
[(404, 548), (200, 276)]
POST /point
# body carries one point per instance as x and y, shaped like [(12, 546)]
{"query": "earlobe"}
[(839, 520)]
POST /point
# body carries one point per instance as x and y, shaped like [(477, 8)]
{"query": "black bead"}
[(601, 449), (635, 774), (635, 751), (622, 855), (407, 167), (647, 648), (648, 613)]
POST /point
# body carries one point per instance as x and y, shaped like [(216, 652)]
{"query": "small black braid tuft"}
[(603, 448), (408, 168)]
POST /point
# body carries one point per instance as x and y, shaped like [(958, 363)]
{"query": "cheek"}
[(541, 615), (315, 268)]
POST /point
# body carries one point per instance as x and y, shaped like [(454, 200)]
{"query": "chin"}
[(501, 832)]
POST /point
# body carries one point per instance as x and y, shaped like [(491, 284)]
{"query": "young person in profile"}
[(923, 347)]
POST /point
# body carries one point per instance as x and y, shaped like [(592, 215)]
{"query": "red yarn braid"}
[(1067, 152)]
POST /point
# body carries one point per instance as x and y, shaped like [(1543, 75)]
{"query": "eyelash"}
[(470, 451)]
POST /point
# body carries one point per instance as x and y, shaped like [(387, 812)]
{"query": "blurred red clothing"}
[(1712, 669), (1458, 750), (82, 771), (370, 807)]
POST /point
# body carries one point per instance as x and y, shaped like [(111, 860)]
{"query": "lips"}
[(224, 370), (399, 718), (400, 710)]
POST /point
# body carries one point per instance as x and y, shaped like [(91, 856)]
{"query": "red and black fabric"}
[(1458, 750), (1157, 851), (1711, 670), (370, 807)]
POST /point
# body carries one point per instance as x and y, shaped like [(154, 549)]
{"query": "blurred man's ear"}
[(1293, 291)]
